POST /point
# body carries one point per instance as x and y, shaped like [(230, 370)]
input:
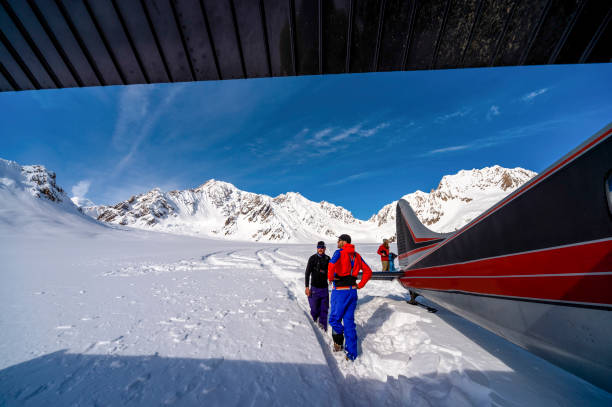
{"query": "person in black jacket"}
[(316, 289)]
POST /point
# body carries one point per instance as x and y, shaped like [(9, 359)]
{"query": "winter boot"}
[(338, 342), (412, 299)]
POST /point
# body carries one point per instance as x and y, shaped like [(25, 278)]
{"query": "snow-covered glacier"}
[(97, 313)]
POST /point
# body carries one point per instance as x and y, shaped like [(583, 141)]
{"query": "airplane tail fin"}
[(414, 240)]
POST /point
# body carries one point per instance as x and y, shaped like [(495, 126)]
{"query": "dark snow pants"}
[(343, 305), (319, 304)]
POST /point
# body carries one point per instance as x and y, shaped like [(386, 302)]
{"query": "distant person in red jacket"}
[(343, 269), (383, 250)]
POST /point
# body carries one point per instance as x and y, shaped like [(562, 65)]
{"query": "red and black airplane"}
[(536, 268)]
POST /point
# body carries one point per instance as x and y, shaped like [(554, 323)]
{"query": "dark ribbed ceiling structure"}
[(71, 43)]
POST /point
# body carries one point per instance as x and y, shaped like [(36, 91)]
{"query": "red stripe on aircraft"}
[(418, 239), (525, 275), (588, 288), (582, 258), (420, 249)]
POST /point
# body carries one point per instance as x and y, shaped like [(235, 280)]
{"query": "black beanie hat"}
[(321, 243), (345, 237)]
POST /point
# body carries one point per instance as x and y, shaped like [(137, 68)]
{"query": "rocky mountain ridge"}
[(37, 180), (219, 209), (458, 198)]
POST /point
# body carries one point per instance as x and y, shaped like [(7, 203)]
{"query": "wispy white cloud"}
[(493, 111), (532, 95), (133, 108), (320, 135), (81, 188), (374, 130), (448, 149), (137, 118), (292, 145), (330, 136), (459, 113), (310, 143), (353, 177), (501, 137), (345, 133)]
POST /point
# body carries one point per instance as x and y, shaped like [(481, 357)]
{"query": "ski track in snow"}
[(224, 308)]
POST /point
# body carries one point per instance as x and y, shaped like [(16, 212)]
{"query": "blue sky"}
[(359, 141)]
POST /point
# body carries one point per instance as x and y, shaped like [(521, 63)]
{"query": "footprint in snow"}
[(292, 324), (135, 389)]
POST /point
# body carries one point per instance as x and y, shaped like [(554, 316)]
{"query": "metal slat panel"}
[(460, 20), (583, 32), (138, 30), (364, 34), (69, 44), (600, 50), (551, 31), (428, 22), (63, 43), (252, 38), (521, 25), (279, 37), (6, 84), (44, 44), (335, 26), (307, 37), (91, 39), (191, 19), (21, 47), (487, 31), (13, 69), (110, 24), (223, 33), (394, 35), (165, 27)]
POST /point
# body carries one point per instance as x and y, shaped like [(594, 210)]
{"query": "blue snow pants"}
[(343, 305), (319, 304)]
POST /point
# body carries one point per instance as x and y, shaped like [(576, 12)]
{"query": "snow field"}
[(99, 316), (216, 329)]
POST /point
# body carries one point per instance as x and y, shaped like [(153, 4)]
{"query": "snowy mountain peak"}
[(36, 179), (459, 198), (213, 184), (488, 178), (291, 197), (218, 208)]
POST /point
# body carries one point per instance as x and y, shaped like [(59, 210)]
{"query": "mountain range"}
[(219, 209)]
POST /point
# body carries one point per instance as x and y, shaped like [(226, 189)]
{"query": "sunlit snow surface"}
[(94, 315)]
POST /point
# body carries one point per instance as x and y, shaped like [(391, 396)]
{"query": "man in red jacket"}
[(343, 269), (383, 250)]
